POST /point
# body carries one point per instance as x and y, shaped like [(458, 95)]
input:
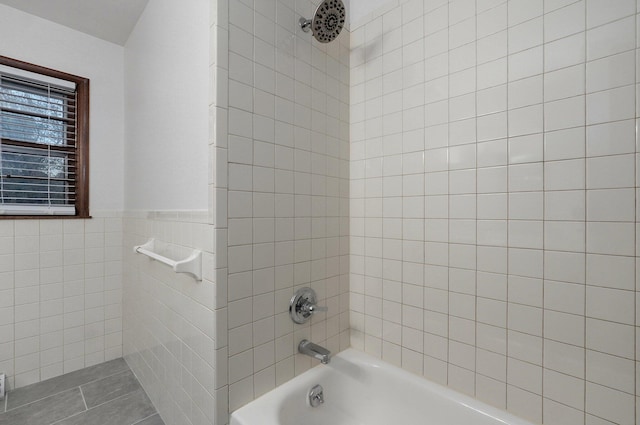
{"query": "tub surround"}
[(281, 192), (493, 201)]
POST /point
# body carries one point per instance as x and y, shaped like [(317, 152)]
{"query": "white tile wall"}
[(493, 200), (169, 319), (60, 295), (280, 108)]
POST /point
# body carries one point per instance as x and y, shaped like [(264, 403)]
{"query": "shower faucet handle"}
[(311, 308), (303, 305)]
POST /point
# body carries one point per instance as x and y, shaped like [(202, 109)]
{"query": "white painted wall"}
[(167, 75), (32, 39)]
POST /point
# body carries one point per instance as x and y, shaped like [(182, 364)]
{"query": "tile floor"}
[(105, 394)]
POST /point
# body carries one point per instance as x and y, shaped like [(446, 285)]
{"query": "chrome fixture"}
[(327, 22), (303, 304), (316, 396), (310, 349)]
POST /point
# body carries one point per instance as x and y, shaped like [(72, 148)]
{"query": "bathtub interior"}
[(361, 390)]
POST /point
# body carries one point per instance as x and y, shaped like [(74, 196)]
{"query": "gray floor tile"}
[(125, 410), (31, 393), (103, 390), (153, 420), (47, 410)]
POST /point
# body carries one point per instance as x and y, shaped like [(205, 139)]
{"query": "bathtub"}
[(362, 390)]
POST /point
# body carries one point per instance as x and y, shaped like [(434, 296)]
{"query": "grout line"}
[(106, 402), (448, 171), (508, 191), (635, 236), (83, 399), (403, 343), (543, 405), (475, 316), (69, 417), (583, 68), (144, 419), (75, 414), (85, 404)]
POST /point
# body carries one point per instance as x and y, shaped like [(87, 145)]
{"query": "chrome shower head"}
[(327, 22)]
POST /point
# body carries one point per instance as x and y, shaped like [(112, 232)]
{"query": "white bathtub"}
[(362, 390)]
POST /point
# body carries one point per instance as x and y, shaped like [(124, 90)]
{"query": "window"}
[(44, 141)]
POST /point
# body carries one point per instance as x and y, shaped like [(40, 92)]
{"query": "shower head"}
[(327, 22)]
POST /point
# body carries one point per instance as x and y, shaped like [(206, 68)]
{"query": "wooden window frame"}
[(82, 138)]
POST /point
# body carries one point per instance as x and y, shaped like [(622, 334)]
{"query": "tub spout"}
[(308, 348)]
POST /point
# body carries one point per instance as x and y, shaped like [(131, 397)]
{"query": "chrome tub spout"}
[(308, 348)]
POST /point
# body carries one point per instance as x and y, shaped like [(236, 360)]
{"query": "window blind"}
[(38, 141)]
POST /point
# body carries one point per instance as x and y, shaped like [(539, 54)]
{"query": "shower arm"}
[(305, 24)]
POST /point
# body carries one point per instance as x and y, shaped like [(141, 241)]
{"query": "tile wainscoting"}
[(169, 319), (60, 295)]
